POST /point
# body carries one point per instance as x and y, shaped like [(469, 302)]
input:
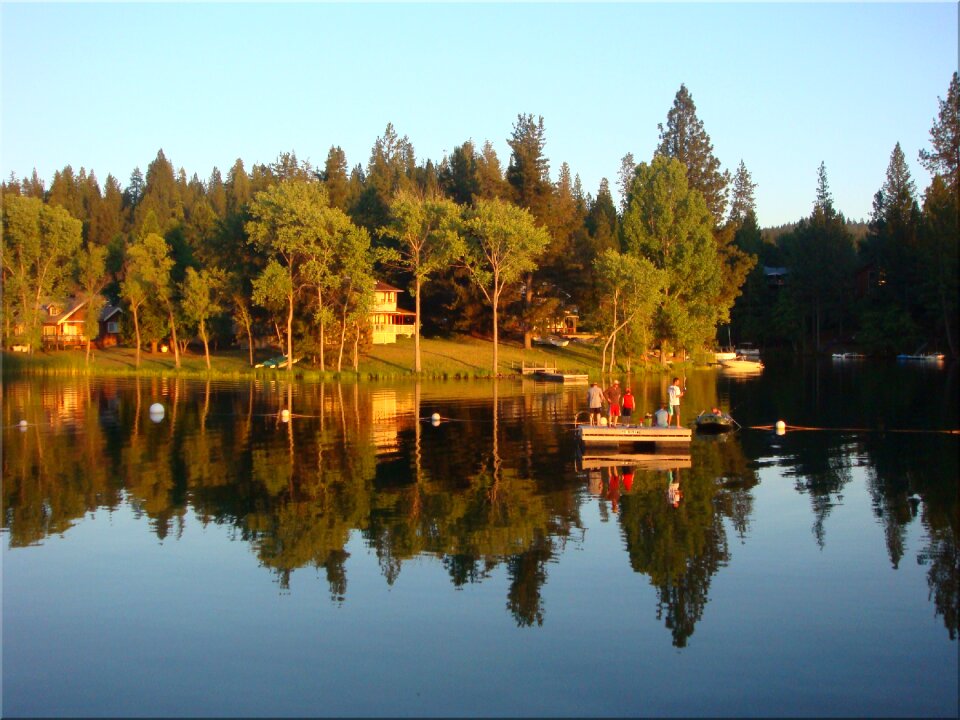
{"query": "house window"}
[(113, 327)]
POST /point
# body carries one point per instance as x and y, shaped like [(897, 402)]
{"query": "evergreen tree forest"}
[(291, 253)]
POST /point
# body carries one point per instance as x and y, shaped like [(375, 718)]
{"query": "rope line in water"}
[(860, 430)]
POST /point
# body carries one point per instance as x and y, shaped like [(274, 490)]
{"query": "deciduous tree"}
[(502, 244)]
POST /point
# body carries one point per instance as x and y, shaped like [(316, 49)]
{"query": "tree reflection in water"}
[(492, 486)]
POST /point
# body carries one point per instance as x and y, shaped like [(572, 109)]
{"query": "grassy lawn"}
[(456, 357)]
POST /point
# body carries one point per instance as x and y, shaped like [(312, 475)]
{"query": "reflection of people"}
[(674, 392), (626, 476), (613, 490), (629, 403), (674, 494), (661, 417), (595, 403), (613, 397)]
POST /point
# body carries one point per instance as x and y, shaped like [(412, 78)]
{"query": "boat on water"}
[(923, 357), (553, 376), (743, 364), (748, 350), (725, 354), (714, 422), (848, 356)]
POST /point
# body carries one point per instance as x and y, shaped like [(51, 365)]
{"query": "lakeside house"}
[(62, 325), (387, 322)]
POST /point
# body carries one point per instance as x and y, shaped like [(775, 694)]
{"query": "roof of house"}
[(384, 287)]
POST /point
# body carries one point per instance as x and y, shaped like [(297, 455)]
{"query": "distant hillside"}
[(858, 229)]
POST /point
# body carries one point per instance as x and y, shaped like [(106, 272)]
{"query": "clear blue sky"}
[(780, 86)]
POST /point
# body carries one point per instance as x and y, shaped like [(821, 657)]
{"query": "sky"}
[(782, 87)]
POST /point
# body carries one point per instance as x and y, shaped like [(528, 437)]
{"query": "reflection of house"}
[(63, 324), (387, 413), (386, 321)]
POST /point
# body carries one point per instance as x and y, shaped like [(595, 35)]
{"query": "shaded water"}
[(357, 559)]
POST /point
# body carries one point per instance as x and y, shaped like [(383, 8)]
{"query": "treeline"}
[(292, 251), (890, 289)]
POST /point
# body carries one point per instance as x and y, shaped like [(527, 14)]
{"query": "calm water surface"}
[(358, 560)]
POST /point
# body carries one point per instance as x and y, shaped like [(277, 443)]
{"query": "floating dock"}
[(620, 435)]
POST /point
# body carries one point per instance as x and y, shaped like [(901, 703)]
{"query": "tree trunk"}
[(416, 330), (320, 315), (247, 325), (496, 359), (136, 328), (206, 346), (527, 304), (290, 334), (173, 333)]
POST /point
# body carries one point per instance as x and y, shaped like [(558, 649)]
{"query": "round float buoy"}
[(23, 425), (781, 427), (435, 423), (435, 418), (285, 415), (603, 421), (156, 412)]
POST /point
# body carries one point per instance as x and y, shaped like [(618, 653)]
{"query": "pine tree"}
[(684, 138), (742, 201), (943, 158), (335, 178)]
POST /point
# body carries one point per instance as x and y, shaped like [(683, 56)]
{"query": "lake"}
[(355, 558)]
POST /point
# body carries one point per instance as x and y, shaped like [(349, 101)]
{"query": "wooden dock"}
[(623, 435)]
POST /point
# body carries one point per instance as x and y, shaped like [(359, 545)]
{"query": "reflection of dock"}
[(620, 435), (639, 461)]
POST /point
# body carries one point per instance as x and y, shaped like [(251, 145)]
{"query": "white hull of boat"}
[(742, 365)]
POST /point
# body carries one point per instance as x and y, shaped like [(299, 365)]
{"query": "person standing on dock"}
[(629, 403), (595, 403), (613, 397), (675, 393)]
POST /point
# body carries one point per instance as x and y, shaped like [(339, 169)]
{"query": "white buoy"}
[(781, 427), (435, 423), (435, 418), (156, 412), (603, 421), (285, 415), (23, 425)]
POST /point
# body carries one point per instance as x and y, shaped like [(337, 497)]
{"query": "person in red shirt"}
[(627, 405)]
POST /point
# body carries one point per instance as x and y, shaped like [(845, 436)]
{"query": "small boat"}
[(743, 364), (276, 363), (748, 350), (714, 422), (553, 340), (725, 354), (848, 356), (923, 357), (563, 377)]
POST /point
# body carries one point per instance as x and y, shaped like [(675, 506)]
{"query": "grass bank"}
[(459, 357)]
